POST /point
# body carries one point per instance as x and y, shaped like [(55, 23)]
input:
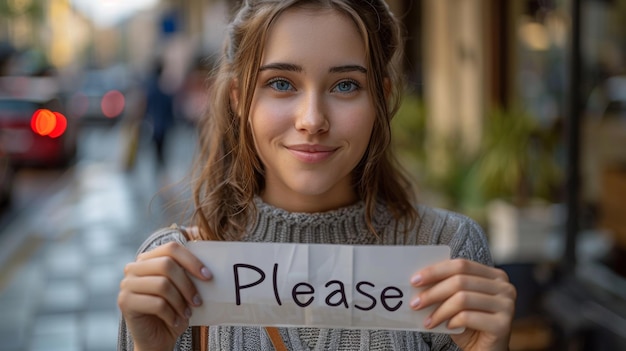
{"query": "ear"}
[(234, 96)]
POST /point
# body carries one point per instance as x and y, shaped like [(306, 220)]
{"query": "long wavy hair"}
[(229, 173)]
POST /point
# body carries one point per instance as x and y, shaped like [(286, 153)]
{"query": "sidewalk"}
[(62, 262), (59, 291)]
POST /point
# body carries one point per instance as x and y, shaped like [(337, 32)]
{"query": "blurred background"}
[(515, 115)]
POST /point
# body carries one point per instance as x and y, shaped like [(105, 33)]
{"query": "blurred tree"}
[(17, 8), (517, 158)]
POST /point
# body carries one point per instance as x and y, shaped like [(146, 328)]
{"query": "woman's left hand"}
[(471, 295)]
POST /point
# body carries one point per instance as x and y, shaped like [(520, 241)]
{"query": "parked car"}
[(35, 130), (7, 173), (100, 95)]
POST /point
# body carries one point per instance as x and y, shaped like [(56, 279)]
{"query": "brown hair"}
[(229, 173)]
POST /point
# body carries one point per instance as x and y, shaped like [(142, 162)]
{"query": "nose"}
[(312, 117)]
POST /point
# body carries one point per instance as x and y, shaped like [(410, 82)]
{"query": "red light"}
[(112, 104), (61, 125), (43, 122)]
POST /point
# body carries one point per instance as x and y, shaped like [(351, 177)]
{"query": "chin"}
[(324, 195)]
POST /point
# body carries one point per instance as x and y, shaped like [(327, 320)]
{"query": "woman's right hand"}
[(156, 295)]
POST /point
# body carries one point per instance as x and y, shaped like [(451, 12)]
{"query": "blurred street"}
[(64, 244)]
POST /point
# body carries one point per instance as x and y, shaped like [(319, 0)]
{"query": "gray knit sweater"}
[(342, 226)]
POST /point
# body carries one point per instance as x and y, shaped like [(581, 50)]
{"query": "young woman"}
[(295, 148)]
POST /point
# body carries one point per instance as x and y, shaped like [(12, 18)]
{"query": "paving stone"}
[(14, 338), (11, 342), (100, 330), (65, 260), (103, 279), (56, 333), (26, 283), (64, 296), (100, 241), (17, 314), (18, 303)]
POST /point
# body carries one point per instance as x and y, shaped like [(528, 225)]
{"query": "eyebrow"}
[(281, 67), (295, 68), (348, 68)]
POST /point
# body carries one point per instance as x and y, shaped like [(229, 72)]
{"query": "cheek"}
[(359, 123), (267, 121)]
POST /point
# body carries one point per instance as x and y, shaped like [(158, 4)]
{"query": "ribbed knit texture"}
[(342, 226)]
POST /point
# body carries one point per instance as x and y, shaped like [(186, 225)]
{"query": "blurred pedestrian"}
[(159, 110), (295, 148)]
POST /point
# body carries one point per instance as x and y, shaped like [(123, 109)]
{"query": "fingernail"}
[(415, 302), (187, 313), (197, 300), (206, 273), (416, 279), (427, 322)]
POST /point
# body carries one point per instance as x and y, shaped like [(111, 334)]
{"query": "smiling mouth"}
[(311, 153)]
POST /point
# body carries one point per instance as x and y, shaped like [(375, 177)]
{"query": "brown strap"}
[(200, 338), (277, 340)]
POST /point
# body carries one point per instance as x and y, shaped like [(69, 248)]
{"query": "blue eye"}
[(346, 86), (280, 85)]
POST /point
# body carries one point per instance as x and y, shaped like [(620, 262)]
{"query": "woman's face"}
[(311, 114)]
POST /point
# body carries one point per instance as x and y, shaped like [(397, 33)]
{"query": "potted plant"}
[(519, 179)]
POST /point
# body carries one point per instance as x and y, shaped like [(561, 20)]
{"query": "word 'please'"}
[(304, 293)]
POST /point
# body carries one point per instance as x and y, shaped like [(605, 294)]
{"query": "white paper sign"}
[(315, 285)]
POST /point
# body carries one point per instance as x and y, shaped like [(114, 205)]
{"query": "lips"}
[(308, 153)]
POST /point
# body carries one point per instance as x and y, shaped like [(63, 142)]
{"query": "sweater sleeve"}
[(158, 238), (465, 238), (462, 234), (470, 242)]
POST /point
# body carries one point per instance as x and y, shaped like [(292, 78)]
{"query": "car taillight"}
[(60, 127), (45, 122), (112, 103)]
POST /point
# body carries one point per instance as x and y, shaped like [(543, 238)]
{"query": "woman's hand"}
[(471, 295), (156, 294)]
